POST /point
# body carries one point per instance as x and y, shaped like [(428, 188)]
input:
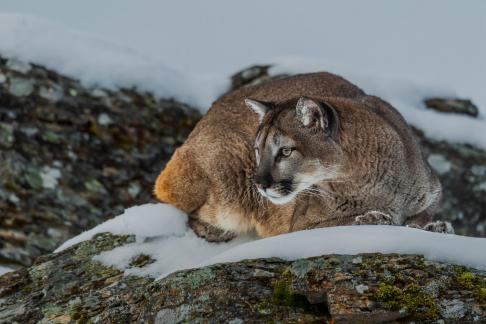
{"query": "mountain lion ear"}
[(314, 114), (257, 107)]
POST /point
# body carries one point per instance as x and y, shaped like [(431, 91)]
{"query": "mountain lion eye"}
[(286, 151)]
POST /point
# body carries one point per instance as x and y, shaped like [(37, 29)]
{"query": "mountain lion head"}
[(296, 146)]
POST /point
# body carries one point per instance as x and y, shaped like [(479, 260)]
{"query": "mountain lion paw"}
[(373, 218), (209, 232), (439, 227)]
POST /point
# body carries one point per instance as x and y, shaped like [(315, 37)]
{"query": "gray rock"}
[(439, 163), (362, 288), (452, 309), (21, 87), (6, 135), (18, 66), (452, 105), (52, 93), (104, 119)]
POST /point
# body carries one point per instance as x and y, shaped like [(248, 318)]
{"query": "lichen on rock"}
[(73, 286)]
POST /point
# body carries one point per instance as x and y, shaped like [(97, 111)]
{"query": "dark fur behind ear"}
[(333, 123)]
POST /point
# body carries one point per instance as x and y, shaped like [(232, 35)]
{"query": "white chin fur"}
[(278, 200)]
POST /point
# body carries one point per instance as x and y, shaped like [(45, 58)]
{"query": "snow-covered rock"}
[(102, 277), (161, 233)]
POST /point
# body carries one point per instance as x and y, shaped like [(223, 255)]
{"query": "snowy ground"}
[(402, 52), (162, 233)]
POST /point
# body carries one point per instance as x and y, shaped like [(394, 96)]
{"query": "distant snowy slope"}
[(164, 236), (101, 63)]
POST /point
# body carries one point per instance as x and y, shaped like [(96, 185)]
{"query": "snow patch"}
[(149, 220), (50, 177), (4, 270), (162, 234)]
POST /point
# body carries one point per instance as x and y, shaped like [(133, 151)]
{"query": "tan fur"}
[(211, 175)]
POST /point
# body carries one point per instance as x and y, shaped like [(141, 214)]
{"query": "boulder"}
[(71, 286), (452, 105)]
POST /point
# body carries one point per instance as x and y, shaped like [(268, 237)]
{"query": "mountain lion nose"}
[(261, 186), (263, 182)]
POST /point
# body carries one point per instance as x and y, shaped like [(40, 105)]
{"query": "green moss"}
[(412, 298), (284, 295), (466, 279), (51, 137), (390, 296), (471, 281), (34, 179), (480, 294)]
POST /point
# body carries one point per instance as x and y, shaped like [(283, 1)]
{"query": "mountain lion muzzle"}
[(296, 147)]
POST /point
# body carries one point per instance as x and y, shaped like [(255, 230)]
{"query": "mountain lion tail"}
[(182, 183)]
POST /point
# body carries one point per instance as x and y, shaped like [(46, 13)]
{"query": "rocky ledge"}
[(71, 287)]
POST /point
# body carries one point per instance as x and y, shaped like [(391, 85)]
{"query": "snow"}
[(99, 63), (4, 270), (50, 177), (161, 233), (183, 54), (149, 220)]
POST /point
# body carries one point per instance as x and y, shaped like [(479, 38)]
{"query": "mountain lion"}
[(307, 151)]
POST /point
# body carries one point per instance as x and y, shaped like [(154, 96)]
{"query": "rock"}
[(460, 169), (53, 93), (452, 105), (439, 163), (104, 119), (73, 286), (6, 135), (452, 308), (56, 139), (50, 177), (21, 87), (18, 65), (252, 75)]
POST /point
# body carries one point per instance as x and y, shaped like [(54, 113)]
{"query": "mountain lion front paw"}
[(373, 218), (439, 227), (209, 232)]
